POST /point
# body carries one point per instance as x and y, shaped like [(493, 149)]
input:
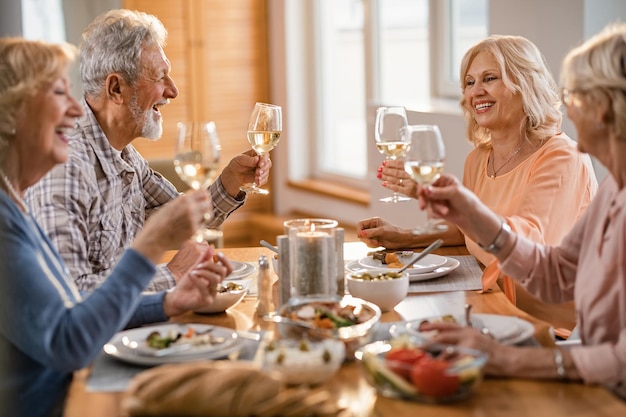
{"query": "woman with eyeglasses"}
[(589, 265), (523, 166)]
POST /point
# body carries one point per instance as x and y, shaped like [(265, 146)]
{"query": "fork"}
[(475, 322)]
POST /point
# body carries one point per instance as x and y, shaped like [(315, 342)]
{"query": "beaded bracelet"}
[(558, 361)]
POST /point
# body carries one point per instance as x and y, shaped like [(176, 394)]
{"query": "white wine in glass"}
[(391, 140), (424, 162), (196, 161), (264, 130)]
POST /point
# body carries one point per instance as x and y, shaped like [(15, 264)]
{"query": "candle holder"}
[(310, 259)]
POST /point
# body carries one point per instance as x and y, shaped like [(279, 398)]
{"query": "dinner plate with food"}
[(508, 330), (172, 343), (394, 260)]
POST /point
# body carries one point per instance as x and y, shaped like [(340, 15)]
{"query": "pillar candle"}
[(314, 264)]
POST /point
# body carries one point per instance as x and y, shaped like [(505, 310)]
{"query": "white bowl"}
[(385, 293), (303, 361), (226, 300)]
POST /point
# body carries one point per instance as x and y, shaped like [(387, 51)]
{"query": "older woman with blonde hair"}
[(523, 166), (48, 329), (588, 265)]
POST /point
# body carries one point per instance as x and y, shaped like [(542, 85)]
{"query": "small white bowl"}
[(385, 293), (226, 300), (303, 361)]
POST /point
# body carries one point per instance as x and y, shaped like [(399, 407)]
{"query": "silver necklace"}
[(493, 167), (12, 191)]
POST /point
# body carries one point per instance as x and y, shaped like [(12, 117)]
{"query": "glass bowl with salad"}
[(405, 368), (349, 319)]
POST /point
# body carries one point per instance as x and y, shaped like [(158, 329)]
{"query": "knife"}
[(420, 255)]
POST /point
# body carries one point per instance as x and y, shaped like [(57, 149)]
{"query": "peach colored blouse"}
[(541, 198)]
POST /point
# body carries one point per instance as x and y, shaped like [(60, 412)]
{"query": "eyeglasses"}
[(567, 96)]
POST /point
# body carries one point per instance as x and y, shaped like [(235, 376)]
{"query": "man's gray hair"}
[(113, 43)]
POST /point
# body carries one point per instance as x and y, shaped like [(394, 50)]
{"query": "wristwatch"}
[(500, 240)]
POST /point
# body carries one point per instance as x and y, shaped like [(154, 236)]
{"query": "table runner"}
[(466, 277)]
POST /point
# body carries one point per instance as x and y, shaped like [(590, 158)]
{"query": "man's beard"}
[(150, 129)]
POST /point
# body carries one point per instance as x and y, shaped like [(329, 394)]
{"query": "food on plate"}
[(330, 315), (230, 286), (156, 340), (416, 327), (376, 276), (348, 319), (303, 361), (389, 258)]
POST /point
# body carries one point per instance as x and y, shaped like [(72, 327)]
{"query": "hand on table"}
[(470, 337), (376, 232)]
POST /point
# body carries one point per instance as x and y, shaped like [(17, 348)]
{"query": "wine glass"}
[(264, 129), (391, 140), (424, 162), (196, 161)]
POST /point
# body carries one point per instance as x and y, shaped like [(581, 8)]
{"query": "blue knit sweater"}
[(48, 329)]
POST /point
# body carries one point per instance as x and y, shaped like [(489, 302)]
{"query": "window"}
[(463, 23), (43, 20), (381, 51)]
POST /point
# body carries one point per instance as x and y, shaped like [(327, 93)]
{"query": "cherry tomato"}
[(401, 360), (430, 378)]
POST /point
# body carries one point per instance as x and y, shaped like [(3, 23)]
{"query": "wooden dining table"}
[(511, 397)]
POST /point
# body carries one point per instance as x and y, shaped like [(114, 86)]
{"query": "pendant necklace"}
[(493, 167), (12, 191)]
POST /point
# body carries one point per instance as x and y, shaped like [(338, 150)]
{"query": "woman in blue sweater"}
[(48, 329)]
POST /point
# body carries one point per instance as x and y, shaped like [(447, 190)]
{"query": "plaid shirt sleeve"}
[(60, 202)]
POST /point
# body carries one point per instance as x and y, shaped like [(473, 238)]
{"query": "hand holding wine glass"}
[(391, 141), (264, 130), (424, 162), (196, 161)]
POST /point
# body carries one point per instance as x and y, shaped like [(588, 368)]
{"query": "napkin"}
[(221, 389)]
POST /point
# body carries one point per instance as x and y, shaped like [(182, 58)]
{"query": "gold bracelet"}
[(558, 361)]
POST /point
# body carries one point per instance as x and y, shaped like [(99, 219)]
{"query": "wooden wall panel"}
[(219, 57)]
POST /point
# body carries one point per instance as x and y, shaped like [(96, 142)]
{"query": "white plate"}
[(427, 264), (238, 267), (119, 348), (507, 330), (445, 269), (242, 272), (226, 300)]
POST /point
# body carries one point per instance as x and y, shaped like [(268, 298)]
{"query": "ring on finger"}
[(401, 181), (486, 332)]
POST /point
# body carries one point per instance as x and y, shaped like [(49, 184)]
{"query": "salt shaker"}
[(264, 288)]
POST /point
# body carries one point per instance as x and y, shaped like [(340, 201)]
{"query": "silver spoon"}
[(269, 246), (420, 255)]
